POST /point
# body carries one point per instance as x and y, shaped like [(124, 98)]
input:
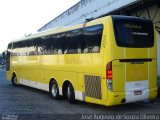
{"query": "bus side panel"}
[(29, 66), (33, 62), (81, 84), (153, 79), (15, 66), (72, 77), (10, 72), (153, 70), (53, 75)]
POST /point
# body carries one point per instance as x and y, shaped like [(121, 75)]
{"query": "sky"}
[(20, 17)]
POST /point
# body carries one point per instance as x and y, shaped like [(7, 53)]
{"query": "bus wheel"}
[(71, 94), (14, 80), (54, 91)]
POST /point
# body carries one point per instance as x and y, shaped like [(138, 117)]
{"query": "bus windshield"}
[(136, 33)]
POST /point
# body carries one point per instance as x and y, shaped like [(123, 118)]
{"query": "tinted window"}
[(9, 50), (59, 41), (31, 47), (50, 45), (92, 39), (86, 40), (15, 49), (9, 46), (8, 54), (45, 45), (73, 42), (133, 33), (22, 48)]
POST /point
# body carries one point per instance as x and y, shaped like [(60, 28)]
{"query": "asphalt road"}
[(27, 103)]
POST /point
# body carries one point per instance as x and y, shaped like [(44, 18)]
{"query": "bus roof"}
[(62, 29)]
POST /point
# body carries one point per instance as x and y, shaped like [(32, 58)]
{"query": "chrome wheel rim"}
[(15, 80), (54, 90), (68, 92)]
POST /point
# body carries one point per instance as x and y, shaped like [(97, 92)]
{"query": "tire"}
[(14, 80), (71, 94), (54, 90)]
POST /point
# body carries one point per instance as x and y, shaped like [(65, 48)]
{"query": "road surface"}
[(28, 103)]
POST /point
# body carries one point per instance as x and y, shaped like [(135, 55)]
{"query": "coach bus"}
[(107, 61)]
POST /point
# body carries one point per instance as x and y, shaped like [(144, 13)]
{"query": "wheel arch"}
[(13, 75)]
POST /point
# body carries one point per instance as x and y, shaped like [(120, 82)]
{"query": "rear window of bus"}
[(133, 32)]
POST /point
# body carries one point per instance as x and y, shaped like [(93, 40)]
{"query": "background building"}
[(90, 9)]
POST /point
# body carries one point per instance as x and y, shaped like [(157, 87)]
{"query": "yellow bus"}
[(107, 61)]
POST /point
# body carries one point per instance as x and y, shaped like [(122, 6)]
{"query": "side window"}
[(22, 48), (9, 50), (31, 48), (15, 49), (43, 48), (53, 47), (36, 44), (49, 45), (73, 42), (59, 40), (9, 46), (7, 56), (92, 39)]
